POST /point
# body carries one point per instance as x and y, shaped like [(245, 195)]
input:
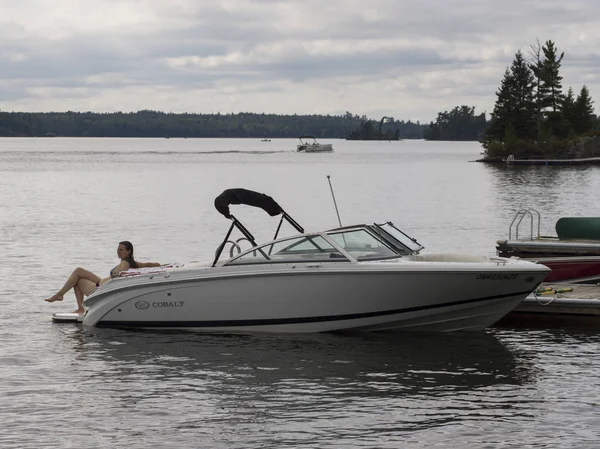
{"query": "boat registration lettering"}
[(497, 277), (167, 304)]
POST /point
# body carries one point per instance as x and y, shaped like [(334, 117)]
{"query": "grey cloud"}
[(371, 64), (7, 94), (409, 39)]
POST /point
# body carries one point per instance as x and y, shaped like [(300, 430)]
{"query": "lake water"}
[(67, 202)]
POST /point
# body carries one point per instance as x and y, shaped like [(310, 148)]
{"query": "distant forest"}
[(461, 123), (160, 124)]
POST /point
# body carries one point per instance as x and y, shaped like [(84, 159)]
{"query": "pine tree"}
[(515, 106), (569, 110), (550, 90), (523, 99), (501, 116), (584, 112), (535, 51)]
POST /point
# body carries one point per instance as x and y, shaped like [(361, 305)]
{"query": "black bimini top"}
[(248, 197)]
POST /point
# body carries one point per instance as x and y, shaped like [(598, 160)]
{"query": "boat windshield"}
[(362, 245), (305, 248), (401, 237)]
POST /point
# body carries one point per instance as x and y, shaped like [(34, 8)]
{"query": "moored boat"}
[(573, 254), (364, 277)]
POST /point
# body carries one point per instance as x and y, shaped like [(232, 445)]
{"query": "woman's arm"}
[(102, 281), (148, 264), (123, 266)]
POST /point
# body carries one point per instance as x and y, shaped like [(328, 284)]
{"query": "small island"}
[(533, 121), (370, 131)]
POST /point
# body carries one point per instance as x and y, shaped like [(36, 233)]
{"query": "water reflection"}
[(301, 377), (575, 338), (101, 388), (408, 362)]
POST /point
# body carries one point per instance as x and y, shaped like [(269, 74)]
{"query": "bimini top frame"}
[(249, 198)]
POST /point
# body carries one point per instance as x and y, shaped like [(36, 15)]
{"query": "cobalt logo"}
[(142, 305)]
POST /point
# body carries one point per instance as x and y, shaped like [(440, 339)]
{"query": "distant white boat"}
[(313, 147)]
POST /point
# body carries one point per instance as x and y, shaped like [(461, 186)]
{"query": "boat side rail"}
[(517, 220)]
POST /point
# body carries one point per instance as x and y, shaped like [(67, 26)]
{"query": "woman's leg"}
[(79, 298), (83, 287), (78, 273)]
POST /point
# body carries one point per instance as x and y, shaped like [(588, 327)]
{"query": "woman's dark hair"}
[(129, 247)]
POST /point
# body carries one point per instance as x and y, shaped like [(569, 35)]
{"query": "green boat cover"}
[(578, 228)]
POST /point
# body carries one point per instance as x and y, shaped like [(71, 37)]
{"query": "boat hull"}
[(318, 148), (314, 299), (572, 269)]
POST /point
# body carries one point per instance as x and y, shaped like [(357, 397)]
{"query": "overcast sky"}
[(401, 58)]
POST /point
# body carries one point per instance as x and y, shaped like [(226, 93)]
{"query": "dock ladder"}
[(519, 216)]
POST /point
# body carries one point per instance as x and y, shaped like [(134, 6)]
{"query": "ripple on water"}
[(63, 386)]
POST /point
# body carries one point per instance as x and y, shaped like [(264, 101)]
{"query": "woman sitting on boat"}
[(83, 282)]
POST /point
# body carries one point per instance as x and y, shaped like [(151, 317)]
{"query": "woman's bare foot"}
[(79, 311), (54, 298)]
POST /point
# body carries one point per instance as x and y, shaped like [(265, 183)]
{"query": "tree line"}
[(160, 124), (532, 116), (461, 123)]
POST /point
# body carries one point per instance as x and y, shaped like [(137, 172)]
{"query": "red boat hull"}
[(570, 270)]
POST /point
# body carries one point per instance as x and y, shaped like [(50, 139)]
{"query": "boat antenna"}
[(334, 202)]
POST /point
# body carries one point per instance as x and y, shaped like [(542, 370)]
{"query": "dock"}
[(577, 308), (512, 161)]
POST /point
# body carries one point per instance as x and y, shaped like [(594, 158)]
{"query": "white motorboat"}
[(308, 146), (367, 277)]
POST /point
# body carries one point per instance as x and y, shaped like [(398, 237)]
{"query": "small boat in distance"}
[(313, 147), (265, 140)]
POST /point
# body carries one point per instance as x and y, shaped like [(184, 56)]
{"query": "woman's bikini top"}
[(113, 272)]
